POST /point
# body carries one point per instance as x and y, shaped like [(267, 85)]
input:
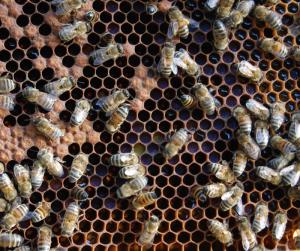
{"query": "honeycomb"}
[(32, 53)]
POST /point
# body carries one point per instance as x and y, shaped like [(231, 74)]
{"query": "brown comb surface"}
[(31, 51)]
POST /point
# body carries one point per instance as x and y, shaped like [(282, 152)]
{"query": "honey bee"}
[(150, 230), (258, 109), (247, 235), (268, 174), (44, 100), (270, 17), (212, 190), (283, 145), (176, 142), (239, 163), (70, 219), (7, 103), (133, 171), (69, 31), (220, 35), (53, 165), (79, 194), (64, 7), (41, 212), (291, 174), (258, 248), (7, 187), (248, 146), (10, 240), (294, 193), (46, 128), (15, 215), (222, 171), (151, 7), (206, 101), (4, 205), (132, 187), (231, 198), (295, 53), (277, 48), (117, 118), (272, 2), (294, 130), (44, 238), (37, 174), (23, 180), (110, 103), (296, 238), (80, 112), (179, 24), (143, 200), (260, 221), (60, 86), (6, 84), (166, 63), (277, 115), (243, 118), (281, 161), (188, 101), (91, 16), (220, 232), (224, 8), (124, 159), (247, 70), (261, 133), (183, 60), (107, 38), (22, 248), (210, 5), (279, 225), (78, 167), (103, 54)]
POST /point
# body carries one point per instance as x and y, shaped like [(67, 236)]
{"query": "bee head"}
[(120, 49), (91, 16)]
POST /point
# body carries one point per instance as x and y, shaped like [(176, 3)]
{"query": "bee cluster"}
[(130, 213)]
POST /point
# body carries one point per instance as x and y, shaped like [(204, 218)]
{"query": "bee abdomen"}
[(220, 31), (6, 85), (198, 193), (274, 20), (38, 215), (144, 199), (6, 103), (187, 101), (276, 122), (183, 32), (208, 106), (79, 194), (9, 240)]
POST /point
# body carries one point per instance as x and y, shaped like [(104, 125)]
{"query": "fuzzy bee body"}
[(291, 174), (7, 103), (277, 115), (220, 232), (143, 200), (78, 167), (178, 23), (295, 53), (46, 128), (239, 163), (281, 161), (4, 205), (22, 248), (132, 171), (210, 5), (79, 194), (60, 86), (184, 61), (117, 118), (248, 146), (247, 70), (111, 51), (270, 17), (9, 240), (220, 34), (187, 101), (44, 239), (37, 174), (6, 85), (261, 133), (206, 101), (257, 109), (268, 175), (294, 130), (70, 219), (231, 198), (243, 118), (224, 8), (23, 180), (124, 159), (41, 212), (223, 172), (7, 187), (44, 100), (80, 112), (15, 215), (53, 166), (70, 31), (166, 63), (132, 187), (150, 230), (277, 48), (176, 142), (279, 225), (64, 7), (247, 235), (213, 190), (283, 145), (294, 193), (260, 221), (112, 102)]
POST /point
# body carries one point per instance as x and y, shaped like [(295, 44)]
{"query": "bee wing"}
[(193, 25), (287, 170), (100, 102), (172, 29), (245, 241), (259, 135), (174, 68), (179, 62), (28, 216), (217, 102), (98, 60), (56, 1), (226, 195), (239, 208)]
